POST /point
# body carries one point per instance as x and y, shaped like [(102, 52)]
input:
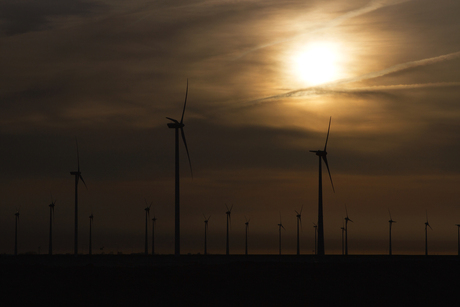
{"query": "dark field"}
[(127, 280)]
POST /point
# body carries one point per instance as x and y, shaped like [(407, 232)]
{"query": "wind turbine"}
[(78, 176), (90, 236), (178, 126), (147, 215), (343, 231), (322, 154), (391, 222), (299, 223), (280, 225), (426, 234), (16, 233), (458, 239), (346, 231), (246, 241), (153, 234), (50, 246), (316, 239), (206, 220), (229, 221)]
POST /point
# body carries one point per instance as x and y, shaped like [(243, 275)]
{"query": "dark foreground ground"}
[(127, 280)]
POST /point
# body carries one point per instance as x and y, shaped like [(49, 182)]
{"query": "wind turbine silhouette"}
[(246, 241), (322, 154), (153, 234), (90, 234), (178, 126), (50, 246), (229, 221), (206, 220), (391, 222), (78, 176), (343, 241), (147, 215), (426, 233), (458, 239), (316, 239), (299, 223), (280, 225), (346, 231), (16, 232)]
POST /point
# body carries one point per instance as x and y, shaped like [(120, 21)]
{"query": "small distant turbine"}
[(147, 215), (299, 224), (391, 222), (280, 225), (426, 233), (90, 234), (246, 241), (154, 219), (229, 221), (206, 220), (16, 233), (50, 245), (346, 231)]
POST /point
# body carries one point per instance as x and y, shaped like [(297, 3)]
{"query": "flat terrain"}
[(217, 280)]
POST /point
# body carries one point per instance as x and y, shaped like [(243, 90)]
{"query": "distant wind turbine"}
[(78, 176), (391, 222), (16, 233), (178, 126), (154, 219), (90, 234), (316, 239), (229, 221), (346, 231), (322, 154), (280, 225), (147, 215), (50, 246), (458, 239), (246, 241), (299, 224), (206, 220), (426, 233)]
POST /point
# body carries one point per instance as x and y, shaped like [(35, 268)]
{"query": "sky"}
[(264, 78)]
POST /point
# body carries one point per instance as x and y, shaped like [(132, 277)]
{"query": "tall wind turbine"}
[(426, 234), (246, 241), (16, 233), (178, 126), (90, 234), (50, 246), (280, 225), (299, 223), (78, 176), (147, 215), (229, 221), (346, 231), (322, 154), (153, 234), (316, 238), (206, 220), (458, 239), (391, 222)]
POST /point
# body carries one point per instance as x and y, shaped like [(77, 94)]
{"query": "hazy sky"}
[(264, 78)]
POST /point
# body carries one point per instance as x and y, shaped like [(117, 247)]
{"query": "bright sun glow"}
[(317, 63)]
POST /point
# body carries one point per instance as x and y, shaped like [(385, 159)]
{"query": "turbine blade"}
[(231, 208), (183, 111), (186, 149), (301, 208), (172, 119), (78, 156), (83, 182), (327, 137), (327, 166)]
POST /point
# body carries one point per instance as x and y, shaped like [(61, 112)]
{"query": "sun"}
[(317, 63)]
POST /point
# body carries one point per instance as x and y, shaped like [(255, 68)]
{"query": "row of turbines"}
[(178, 126)]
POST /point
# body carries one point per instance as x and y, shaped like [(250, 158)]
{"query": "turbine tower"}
[(280, 225), (316, 238), (322, 154), (178, 126), (299, 224), (90, 234), (147, 215), (346, 231), (391, 222), (229, 221), (50, 245), (153, 234), (78, 176), (426, 234), (206, 220), (246, 241), (16, 233)]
